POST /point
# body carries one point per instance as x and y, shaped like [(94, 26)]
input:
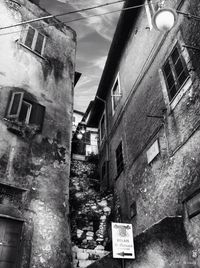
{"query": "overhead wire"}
[(61, 14), (73, 20)]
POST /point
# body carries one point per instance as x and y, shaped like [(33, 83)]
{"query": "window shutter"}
[(15, 105), (37, 115), (39, 43), (29, 37)]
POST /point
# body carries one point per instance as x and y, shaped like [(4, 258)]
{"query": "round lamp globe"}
[(79, 136), (164, 19)]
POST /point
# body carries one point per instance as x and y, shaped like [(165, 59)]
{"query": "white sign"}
[(122, 241)]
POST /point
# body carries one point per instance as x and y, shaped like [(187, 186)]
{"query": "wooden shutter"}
[(39, 43), (29, 37), (10, 233), (15, 105), (37, 115)]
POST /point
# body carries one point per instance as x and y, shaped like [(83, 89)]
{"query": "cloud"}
[(103, 25), (94, 36), (100, 62)]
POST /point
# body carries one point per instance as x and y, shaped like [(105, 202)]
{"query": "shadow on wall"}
[(164, 245), (37, 2)]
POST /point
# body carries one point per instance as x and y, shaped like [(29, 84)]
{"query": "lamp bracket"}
[(188, 15), (191, 47)]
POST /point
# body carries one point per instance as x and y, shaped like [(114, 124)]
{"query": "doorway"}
[(10, 235)]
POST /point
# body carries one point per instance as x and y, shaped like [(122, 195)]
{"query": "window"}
[(175, 72), (34, 40), (102, 127), (23, 111), (119, 159), (192, 203), (115, 94)]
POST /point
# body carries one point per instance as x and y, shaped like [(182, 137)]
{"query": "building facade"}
[(36, 104), (149, 132), (84, 138), (77, 118)]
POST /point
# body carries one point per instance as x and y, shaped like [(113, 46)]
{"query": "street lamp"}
[(165, 18), (79, 136)]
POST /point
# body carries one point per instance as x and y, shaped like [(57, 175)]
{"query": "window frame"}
[(119, 165), (9, 115), (173, 71), (30, 116), (28, 113), (34, 40), (113, 96)]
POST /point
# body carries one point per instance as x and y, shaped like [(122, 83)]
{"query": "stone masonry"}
[(90, 214)]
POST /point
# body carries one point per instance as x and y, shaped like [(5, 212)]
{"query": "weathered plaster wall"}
[(157, 188), (40, 165), (163, 245)]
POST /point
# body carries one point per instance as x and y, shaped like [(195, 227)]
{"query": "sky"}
[(94, 36)]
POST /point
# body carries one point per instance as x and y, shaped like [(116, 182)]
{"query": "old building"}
[(77, 118), (147, 112), (85, 138), (36, 104)]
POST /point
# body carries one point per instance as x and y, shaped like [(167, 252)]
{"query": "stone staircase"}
[(90, 212)]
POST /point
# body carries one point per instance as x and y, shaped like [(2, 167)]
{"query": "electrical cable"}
[(60, 14), (109, 12), (78, 19)]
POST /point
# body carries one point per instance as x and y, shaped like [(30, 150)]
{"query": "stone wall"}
[(163, 245), (90, 212)]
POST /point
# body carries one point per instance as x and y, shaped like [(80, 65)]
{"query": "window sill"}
[(34, 52), (186, 86), (20, 129)]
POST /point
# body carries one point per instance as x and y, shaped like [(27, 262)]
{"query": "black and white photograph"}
[(99, 133)]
